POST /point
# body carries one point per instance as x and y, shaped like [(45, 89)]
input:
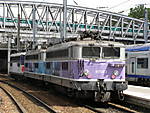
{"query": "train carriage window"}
[(64, 65), (90, 52), (126, 55), (111, 52), (132, 67), (10, 64), (142, 63)]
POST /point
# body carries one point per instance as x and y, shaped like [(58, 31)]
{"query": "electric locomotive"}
[(88, 68), (17, 65), (34, 64)]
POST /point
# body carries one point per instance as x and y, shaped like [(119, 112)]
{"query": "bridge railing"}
[(80, 20)]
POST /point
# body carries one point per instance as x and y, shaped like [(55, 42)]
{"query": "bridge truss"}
[(22, 16)]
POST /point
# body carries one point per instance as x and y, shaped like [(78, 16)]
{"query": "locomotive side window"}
[(111, 52), (57, 54), (18, 64), (71, 52), (15, 58), (22, 60), (40, 56), (90, 52), (36, 65), (48, 65), (64, 65), (26, 64), (142, 63), (32, 57)]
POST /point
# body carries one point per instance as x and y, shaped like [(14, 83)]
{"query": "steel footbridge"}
[(81, 22)]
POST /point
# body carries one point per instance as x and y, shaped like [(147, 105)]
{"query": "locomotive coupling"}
[(102, 94)]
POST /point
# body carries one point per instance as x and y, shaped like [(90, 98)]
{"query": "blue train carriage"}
[(87, 68), (17, 65), (138, 60), (34, 64)]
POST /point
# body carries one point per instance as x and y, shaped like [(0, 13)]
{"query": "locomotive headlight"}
[(86, 72), (116, 72)]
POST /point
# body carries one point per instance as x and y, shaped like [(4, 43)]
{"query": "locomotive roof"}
[(86, 43), (18, 54), (32, 52)]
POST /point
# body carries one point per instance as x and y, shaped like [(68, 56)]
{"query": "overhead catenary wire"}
[(119, 4), (122, 11)]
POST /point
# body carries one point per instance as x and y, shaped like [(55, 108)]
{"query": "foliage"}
[(138, 12)]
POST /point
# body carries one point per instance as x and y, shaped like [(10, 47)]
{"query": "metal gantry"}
[(47, 19)]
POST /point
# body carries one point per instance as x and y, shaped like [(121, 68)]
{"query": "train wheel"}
[(70, 92)]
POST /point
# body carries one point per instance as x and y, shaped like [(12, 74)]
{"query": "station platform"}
[(138, 91), (138, 95)]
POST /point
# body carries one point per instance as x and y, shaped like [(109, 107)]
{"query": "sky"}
[(110, 5)]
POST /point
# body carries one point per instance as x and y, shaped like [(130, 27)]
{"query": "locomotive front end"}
[(106, 65)]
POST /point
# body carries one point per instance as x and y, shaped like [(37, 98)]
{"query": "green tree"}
[(138, 12)]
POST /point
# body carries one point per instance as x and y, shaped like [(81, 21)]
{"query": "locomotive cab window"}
[(88, 52), (142, 63), (111, 52)]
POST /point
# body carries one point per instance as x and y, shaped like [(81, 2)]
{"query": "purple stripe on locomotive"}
[(94, 70), (104, 70)]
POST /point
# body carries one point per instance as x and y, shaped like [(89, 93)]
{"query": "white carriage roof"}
[(139, 47), (85, 43), (18, 54)]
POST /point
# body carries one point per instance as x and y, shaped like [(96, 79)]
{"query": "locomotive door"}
[(132, 65)]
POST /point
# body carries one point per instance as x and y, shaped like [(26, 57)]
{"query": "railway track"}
[(111, 107), (19, 106), (58, 106)]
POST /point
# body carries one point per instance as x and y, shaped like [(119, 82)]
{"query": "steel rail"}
[(47, 107), (112, 105), (123, 108), (18, 105)]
